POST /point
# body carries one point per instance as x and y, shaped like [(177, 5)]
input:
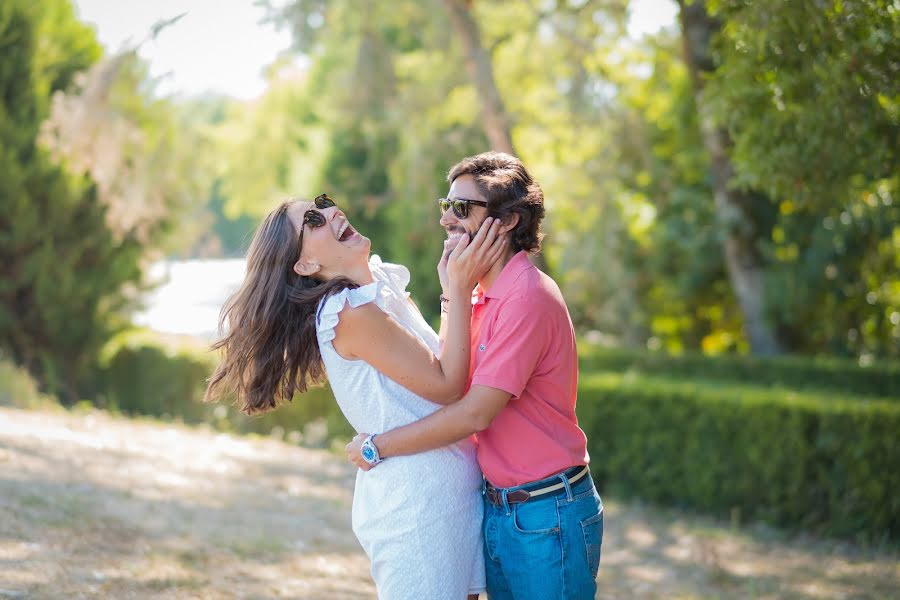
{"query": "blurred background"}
[(721, 182)]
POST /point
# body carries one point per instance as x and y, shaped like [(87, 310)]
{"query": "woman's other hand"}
[(354, 451)]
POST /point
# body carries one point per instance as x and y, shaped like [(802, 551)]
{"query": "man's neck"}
[(488, 279)]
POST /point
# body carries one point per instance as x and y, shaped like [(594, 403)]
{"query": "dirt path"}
[(94, 506)]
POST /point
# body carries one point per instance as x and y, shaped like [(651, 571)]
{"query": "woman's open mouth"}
[(346, 232)]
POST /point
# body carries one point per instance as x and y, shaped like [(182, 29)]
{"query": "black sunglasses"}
[(460, 206), (314, 218)]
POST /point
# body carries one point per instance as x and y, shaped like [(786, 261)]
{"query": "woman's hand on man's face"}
[(444, 278), (471, 260)]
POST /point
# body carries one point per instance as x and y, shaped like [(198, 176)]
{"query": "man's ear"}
[(307, 268), (509, 223)]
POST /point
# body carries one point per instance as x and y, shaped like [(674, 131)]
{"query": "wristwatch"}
[(369, 451)]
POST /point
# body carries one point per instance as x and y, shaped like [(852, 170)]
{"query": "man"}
[(543, 519)]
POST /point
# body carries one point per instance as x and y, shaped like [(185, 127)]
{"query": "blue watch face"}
[(368, 453)]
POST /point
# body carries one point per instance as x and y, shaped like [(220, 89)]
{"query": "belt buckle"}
[(518, 496), (495, 496)]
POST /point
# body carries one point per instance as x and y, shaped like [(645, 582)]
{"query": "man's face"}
[(463, 187)]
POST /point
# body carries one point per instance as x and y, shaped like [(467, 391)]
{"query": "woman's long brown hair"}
[(269, 347)]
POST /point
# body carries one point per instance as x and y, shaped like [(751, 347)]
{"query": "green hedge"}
[(796, 460), (826, 462), (154, 380), (878, 379), (146, 374)]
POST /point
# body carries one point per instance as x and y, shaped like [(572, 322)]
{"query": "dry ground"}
[(96, 506)]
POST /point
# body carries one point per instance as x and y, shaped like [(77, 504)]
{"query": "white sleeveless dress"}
[(417, 517)]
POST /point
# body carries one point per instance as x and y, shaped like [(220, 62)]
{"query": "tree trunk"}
[(481, 72), (742, 260)]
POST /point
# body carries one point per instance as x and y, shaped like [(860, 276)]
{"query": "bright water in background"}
[(191, 295)]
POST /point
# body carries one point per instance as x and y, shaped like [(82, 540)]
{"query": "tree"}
[(91, 172), (58, 257), (810, 94), (779, 87), (496, 121), (734, 207), (682, 293), (481, 73)]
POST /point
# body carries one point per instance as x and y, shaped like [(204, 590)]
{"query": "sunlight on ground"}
[(106, 507)]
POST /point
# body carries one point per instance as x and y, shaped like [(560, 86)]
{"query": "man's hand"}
[(354, 451)]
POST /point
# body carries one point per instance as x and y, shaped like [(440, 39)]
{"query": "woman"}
[(313, 303)]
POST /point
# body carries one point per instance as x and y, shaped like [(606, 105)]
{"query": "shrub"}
[(878, 379), (797, 460), (18, 388), (151, 380), (145, 373)]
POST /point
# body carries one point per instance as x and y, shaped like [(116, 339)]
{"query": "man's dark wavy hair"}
[(509, 189)]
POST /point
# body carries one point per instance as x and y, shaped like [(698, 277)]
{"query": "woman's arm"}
[(368, 333), (455, 422), (445, 285)]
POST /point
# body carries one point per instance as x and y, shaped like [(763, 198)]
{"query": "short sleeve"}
[(518, 342), (330, 308)]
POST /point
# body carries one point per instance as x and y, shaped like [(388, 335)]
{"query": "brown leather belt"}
[(495, 495)]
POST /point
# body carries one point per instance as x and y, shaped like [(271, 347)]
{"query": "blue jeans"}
[(546, 548)]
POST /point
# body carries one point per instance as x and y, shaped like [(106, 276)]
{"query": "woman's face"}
[(331, 249)]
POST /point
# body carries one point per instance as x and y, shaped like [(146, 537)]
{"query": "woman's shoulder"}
[(331, 308)]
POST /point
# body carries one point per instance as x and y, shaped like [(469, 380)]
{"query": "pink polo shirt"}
[(523, 343)]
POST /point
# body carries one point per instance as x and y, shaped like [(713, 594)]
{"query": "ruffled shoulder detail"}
[(396, 276), (331, 307)]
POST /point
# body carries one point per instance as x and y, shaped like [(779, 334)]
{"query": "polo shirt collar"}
[(504, 283)]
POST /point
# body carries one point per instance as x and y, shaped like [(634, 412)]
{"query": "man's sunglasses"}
[(314, 218), (460, 206)]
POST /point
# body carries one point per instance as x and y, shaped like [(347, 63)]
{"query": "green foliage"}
[(797, 460), (838, 377), (812, 97), (680, 280), (59, 299), (264, 149), (94, 173), (376, 122), (612, 132), (146, 374), (18, 389), (808, 94), (811, 101), (233, 235), (144, 377), (61, 267)]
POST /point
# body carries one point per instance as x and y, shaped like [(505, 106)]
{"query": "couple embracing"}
[(473, 470)]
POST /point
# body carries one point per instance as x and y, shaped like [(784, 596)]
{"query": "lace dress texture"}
[(418, 517)]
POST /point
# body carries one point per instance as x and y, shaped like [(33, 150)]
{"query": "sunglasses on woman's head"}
[(314, 218), (460, 206)]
